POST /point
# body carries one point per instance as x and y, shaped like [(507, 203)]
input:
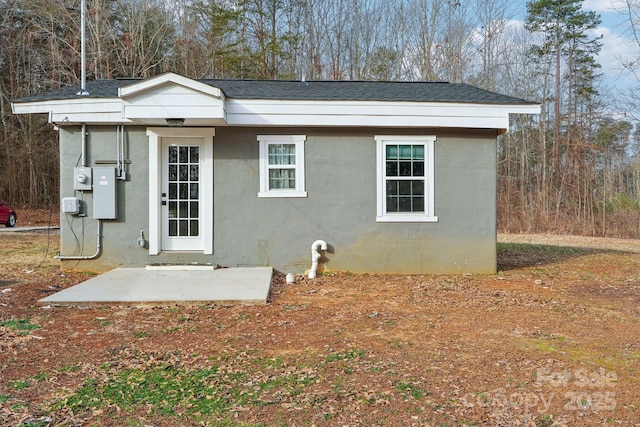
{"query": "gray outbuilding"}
[(393, 177)]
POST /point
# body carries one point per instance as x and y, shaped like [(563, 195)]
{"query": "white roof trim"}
[(260, 112), (167, 79)]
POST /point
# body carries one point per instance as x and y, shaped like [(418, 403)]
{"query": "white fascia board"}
[(285, 113), (168, 79), (354, 113), (79, 110)]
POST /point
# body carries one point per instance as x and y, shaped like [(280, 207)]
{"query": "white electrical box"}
[(82, 177), (71, 205)]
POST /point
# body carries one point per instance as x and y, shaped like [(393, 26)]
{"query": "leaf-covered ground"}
[(552, 339)]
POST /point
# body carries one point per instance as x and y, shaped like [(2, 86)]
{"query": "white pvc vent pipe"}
[(315, 256)]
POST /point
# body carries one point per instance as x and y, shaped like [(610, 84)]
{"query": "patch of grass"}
[(544, 421), (350, 354), (22, 325), (4, 398), (172, 391), (529, 255), (20, 385), (102, 322), (42, 376), (409, 389), (140, 334)]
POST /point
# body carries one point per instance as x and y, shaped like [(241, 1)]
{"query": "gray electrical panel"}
[(104, 193)]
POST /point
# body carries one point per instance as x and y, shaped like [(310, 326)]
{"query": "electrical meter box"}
[(82, 178), (104, 193)]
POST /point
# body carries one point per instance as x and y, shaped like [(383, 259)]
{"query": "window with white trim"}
[(282, 166), (405, 178)]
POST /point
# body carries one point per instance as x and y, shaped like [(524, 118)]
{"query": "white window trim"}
[(298, 141), (429, 198)]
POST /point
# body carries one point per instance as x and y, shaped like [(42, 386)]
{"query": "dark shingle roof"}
[(311, 91)]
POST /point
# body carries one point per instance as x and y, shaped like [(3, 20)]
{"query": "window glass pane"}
[(392, 168), (405, 168), (173, 227), (173, 173), (193, 227), (194, 172), (392, 187), (392, 152), (417, 188), (404, 204), (404, 188), (194, 192), (194, 154), (184, 173), (184, 210), (418, 152), (173, 191), (282, 154), (418, 204), (184, 191), (282, 179), (194, 211), (173, 154), (173, 209), (392, 204), (184, 154), (418, 168), (405, 195), (405, 152), (183, 227)]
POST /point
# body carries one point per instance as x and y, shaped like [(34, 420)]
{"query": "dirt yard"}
[(552, 339)]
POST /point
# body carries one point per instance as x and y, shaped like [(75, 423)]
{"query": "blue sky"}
[(617, 43)]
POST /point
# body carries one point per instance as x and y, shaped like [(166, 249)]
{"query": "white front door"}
[(181, 200), (180, 189)]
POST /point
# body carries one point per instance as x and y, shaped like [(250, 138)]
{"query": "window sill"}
[(271, 194), (406, 218)]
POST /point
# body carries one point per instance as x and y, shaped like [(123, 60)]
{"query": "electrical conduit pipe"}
[(315, 256), (86, 257)]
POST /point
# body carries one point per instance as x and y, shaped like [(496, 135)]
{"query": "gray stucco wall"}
[(340, 207)]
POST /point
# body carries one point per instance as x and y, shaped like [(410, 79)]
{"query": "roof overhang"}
[(151, 101)]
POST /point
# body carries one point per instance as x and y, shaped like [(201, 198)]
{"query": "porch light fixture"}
[(175, 123)]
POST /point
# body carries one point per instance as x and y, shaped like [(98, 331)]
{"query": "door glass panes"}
[(184, 191), (403, 164)]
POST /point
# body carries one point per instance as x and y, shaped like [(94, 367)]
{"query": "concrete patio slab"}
[(139, 286)]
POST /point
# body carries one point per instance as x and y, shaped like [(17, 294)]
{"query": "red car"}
[(7, 215)]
